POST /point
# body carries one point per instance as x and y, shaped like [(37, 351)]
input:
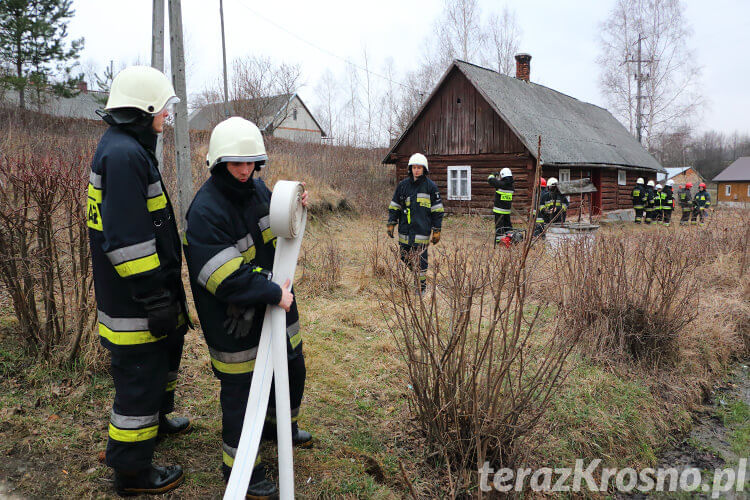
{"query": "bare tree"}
[(258, 90), (670, 92), (459, 30), (353, 105), (327, 111), (502, 40)]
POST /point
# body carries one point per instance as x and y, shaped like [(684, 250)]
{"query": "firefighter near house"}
[(417, 209)]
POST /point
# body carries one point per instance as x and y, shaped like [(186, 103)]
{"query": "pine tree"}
[(33, 47)]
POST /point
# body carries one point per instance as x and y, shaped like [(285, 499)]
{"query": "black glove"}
[(163, 312), (239, 321)]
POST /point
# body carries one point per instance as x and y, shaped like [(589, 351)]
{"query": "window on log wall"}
[(459, 182), (564, 175), (622, 178)]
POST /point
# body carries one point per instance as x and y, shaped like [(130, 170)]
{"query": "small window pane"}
[(728, 189)]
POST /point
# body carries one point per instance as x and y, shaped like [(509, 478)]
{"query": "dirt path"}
[(720, 439)]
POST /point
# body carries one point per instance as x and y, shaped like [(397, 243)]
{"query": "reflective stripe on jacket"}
[(135, 247), (417, 209), (702, 199), (685, 198)]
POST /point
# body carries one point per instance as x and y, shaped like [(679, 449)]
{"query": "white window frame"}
[(727, 190), (748, 190), (622, 178), (452, 186), (563, 175)]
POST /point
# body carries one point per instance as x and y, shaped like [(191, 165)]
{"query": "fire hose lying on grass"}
[(288, 219)]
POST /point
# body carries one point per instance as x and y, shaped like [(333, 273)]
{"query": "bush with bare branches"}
[(627, 298), (44, 251), (481, 367)]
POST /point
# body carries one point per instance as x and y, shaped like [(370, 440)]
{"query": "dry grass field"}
[(358, 399)]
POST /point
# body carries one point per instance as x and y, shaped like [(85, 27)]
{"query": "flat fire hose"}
[(288, 218)]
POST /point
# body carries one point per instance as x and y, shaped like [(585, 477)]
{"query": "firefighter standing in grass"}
[(659, 197), (639, 200), (650, 199), (503, 184), (418, 210), (229, 248), (136, 260), (685, 197), (701, 204), (556, 207), (539, 211), (668, 205)]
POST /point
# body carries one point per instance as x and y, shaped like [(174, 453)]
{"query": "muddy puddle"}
[(718, 445)]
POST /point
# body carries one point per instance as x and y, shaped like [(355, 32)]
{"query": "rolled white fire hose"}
[(288, 218)]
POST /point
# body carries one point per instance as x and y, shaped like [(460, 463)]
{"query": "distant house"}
[(734, 183), (477, 121), (681, 175), (83, 105), (284, 116)]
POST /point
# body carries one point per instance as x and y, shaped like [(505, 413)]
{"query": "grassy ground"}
[(54, 421)]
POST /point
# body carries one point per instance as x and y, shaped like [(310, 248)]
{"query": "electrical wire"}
[(321, 49)]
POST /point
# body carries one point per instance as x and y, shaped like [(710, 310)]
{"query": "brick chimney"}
[(523, 66), (83, 87)]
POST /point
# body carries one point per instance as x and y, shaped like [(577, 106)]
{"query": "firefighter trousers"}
[(638, 215), (144, 381), (502, 225), (235, 390), (685, 216), (409, 255), (666, 216)]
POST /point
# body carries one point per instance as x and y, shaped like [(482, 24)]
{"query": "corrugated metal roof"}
[(573, 132), (737, 171)]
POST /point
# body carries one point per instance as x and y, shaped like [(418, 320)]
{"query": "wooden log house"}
[(477, 121)]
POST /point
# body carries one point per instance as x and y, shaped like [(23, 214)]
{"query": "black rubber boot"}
[(300, 438), (174, 426), (152, 481), (259, 488)]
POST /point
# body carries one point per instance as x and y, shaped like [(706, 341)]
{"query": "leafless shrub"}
[(320, 262), (627, 298), (480, 366), (44, 251)]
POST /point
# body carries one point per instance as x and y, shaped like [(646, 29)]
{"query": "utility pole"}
[(639, 78), (181, 134), (157, 56), (224, 53)]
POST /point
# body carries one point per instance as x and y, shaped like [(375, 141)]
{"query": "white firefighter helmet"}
[(639, 181), (505, 173), (552, 182), (650, 183), (141, 87), (236, 139), (670, 183), (658, 187), (419, 159)]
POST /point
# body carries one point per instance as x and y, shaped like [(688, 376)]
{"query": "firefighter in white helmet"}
[(668, 202), (503, 185), (230, 248), (639, 199), (136, 261), (417, 208), (556, 207)]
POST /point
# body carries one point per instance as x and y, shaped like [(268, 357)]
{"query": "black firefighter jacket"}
[(135, 247), (686, 199), (229, 248), (640, 197), (503, 194), (417, 209)]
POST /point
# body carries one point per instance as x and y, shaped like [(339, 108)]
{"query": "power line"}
[(321, 49)]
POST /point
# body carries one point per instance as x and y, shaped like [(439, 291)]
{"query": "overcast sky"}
[(561, 36)]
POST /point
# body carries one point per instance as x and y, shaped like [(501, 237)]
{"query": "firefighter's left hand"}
[(239, 321), (304, 195), (435, 237)]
